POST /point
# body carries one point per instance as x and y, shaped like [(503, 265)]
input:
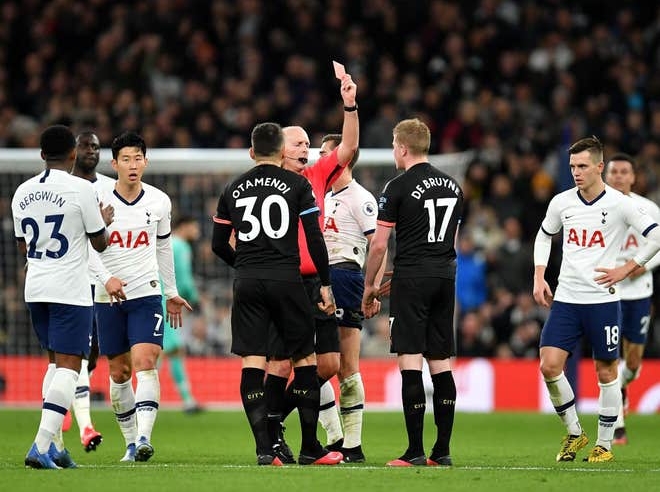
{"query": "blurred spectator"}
[(471, 289), (475, 338), (512, 264), (512, 81)]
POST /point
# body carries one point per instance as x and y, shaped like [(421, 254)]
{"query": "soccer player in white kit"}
[(350, 223), (139, 253), (636, 290), (88, 150), (594, 218), (54, 214)]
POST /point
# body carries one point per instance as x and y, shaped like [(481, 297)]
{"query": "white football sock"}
[(563, 399), (81, 401), (328, 415), (58, 398), (57, 439), (122, 398), (147, 398), (351, 403), (609, 402), (627, 375)]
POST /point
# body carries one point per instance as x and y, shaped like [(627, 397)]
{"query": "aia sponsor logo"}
[(585, 238), (132, 239)]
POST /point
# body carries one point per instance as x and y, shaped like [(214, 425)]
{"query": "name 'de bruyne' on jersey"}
[(432, 182)]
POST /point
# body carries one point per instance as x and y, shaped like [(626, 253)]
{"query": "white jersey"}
[(101, 186), (54, 212), (350, 215), (640, 287), (593, 234), (131, 254)]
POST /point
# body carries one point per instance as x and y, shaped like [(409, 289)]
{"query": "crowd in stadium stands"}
[(515, 80)]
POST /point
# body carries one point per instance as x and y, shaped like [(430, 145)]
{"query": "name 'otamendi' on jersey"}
[(266, 181)]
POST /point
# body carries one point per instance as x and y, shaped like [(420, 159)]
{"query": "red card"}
[(340, 71)]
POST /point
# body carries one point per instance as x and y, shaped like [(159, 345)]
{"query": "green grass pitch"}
[(215, 451)]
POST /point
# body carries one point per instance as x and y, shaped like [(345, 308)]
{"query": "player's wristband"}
[(350, 109)]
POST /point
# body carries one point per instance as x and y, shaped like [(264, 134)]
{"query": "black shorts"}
[(325, 325), (271, 308), (422, 316)]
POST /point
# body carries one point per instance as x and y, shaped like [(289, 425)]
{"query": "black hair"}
[(128, 139), (336, 139), (267, 139), (85, 133), (56, 142), (621, 156)]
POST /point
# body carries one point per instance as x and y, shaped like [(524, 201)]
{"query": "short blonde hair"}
[(414, 134)]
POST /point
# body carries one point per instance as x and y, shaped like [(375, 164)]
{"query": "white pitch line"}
[(373, 467)]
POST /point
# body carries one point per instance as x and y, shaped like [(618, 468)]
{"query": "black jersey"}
[(264, 206), (425, 206)]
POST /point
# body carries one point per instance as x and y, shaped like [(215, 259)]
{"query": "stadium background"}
[(508, 84)]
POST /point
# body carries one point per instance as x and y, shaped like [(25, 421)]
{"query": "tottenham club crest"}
[(148, 213)]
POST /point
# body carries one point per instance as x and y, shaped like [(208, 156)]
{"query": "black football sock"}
[(275, 387), (444, 405), (305, 389), (254, 403), (414, 406)]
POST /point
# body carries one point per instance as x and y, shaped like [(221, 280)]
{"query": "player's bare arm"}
[(542, 292), (377, 250)]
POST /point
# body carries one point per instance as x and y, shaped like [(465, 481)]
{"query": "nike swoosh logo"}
[(567, 216), (158, 334), (612, 349)]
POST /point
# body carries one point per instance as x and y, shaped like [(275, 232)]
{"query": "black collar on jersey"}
[(137, 199), (592, 201)]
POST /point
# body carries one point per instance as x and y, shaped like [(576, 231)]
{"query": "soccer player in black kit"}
[(425, 206), (263, 207)]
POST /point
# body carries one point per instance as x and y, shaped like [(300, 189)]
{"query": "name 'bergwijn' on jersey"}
[(54, 212)]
